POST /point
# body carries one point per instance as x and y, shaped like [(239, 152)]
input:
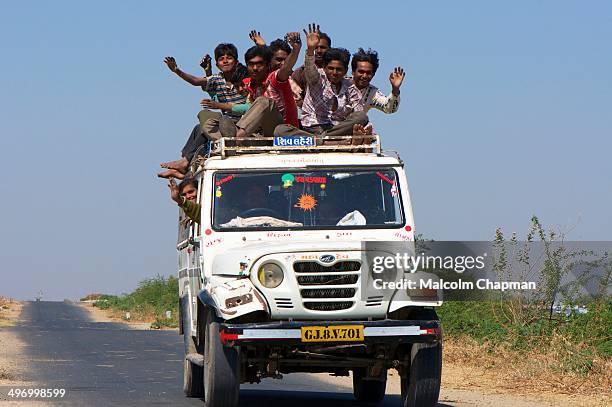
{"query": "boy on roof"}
[(298, 83), (364, 66), (331, 105), (269, 86), (219, 85)]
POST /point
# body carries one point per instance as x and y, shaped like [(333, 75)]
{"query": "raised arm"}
[(310, 69), (194, 80), (256, 37), (295, 42), (387, 104), (396, 78), (206, 65)]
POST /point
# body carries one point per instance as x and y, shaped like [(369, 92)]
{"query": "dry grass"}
[(9, 311), (537, 371), (6, 375)]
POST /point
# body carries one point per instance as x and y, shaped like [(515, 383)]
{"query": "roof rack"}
[(229, 146)]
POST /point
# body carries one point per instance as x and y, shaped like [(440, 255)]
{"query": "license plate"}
[(335, 333), (294, 141)]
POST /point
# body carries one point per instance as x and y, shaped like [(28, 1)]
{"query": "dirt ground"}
[(464, 387), (13, 360)]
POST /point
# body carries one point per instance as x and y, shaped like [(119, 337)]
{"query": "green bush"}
[(585, 336), (153, 297)]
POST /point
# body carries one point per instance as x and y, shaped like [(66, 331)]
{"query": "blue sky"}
[(506, 112)]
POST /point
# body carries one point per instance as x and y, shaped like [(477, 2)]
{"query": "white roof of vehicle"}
[(300, 160)]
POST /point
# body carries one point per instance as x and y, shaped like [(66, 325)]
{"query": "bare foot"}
[(368, 130), (358, 130), (241, 133), (180, 165), (171, 173)]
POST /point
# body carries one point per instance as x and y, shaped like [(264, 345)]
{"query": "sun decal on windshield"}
[(306, 202)]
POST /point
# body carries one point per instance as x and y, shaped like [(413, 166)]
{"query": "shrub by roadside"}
[(148, 303), (566, 354), (522, 338)]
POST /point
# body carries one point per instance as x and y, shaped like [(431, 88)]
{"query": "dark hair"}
[(337, 54), (226, 49), (258, 51), (370, 56), (240, 72), (185, 182), (281, 45), (323, 36)]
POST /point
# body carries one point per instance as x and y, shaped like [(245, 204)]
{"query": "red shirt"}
[(279, 92), (255, 89)]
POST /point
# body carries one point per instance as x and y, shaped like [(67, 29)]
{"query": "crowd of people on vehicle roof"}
[(266, 97)]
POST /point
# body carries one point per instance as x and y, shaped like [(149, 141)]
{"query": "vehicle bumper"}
[(290, 333)]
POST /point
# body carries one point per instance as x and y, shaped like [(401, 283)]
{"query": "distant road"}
[(103, 364)]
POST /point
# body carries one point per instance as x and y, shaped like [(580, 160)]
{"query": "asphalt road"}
[(103, 364)]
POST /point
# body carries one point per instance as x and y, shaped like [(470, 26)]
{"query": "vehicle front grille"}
[(330, 283), (327, 279), (328, 293), (314, 267), (328, 306)]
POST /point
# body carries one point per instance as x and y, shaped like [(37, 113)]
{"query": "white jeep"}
[(275, 278)]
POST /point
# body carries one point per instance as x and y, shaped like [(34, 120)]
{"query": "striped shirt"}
[(372, 97), (321, 97), (224, 91)]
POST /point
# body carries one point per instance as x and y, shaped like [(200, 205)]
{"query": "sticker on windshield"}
[(218, 192), (393, 190), (287, 180), (311, 180), (224, 180), (306, 202)]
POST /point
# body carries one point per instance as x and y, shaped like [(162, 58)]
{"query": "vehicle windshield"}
[(307, 200)]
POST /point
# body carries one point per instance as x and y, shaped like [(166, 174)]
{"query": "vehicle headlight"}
[(270, 275)]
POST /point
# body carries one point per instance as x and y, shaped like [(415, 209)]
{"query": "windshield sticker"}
[(287, 180), (218, 193), (311, 180), (394, 190), (224, 180), (306, 202), (385, 178)]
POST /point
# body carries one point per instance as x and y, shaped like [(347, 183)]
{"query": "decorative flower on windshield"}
[(306, 202)]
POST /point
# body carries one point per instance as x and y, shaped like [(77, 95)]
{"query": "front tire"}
[(221, 368), (422, 386), (372, 391)]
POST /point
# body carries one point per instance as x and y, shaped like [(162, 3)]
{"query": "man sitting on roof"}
[(364, 66), (273, 99), (298, 77), (219, 85), (331, 105)]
